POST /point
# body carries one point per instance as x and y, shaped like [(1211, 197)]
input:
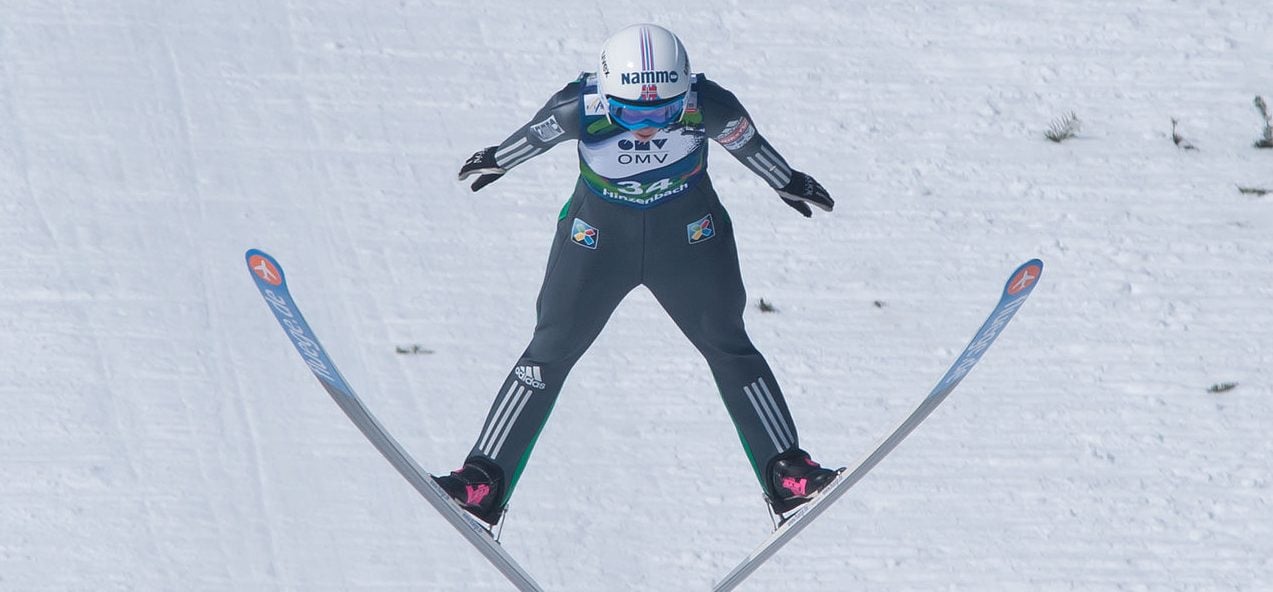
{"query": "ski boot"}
[(477, 487), (795, 479)]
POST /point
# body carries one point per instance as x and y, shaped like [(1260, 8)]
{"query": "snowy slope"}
[(161, 434)]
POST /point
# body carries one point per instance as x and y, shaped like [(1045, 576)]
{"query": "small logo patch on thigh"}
[(701, 230), (584, 234)]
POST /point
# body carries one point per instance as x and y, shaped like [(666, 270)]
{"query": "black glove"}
[(482, 163), (804, 190)]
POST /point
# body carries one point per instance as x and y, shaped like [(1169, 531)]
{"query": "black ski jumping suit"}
[(642, 213)]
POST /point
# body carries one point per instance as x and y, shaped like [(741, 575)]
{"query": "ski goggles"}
[(635, 116)]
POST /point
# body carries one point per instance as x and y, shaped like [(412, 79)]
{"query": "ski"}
[(1015, 292), (269, 278)]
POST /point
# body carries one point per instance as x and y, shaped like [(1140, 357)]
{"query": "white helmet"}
[(643, 63)]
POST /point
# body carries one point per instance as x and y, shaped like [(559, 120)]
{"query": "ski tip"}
[(265, 269), (1023, 280)]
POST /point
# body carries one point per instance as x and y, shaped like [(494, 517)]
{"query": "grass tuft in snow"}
[(410, 350), (1063, 128), (1177, 138), (1263, 108), (1256, 191), (1222, 387)]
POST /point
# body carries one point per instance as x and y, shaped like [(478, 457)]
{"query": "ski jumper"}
[(642, 213)]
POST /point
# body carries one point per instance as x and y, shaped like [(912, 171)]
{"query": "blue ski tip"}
[(1023, 280), (265, 269)]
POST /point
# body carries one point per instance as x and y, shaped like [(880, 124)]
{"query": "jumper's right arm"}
[(557, 121)]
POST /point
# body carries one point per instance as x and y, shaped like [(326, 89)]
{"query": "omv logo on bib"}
[(637, 152)]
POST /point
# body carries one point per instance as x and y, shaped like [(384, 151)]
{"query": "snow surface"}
[(160, 433)]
